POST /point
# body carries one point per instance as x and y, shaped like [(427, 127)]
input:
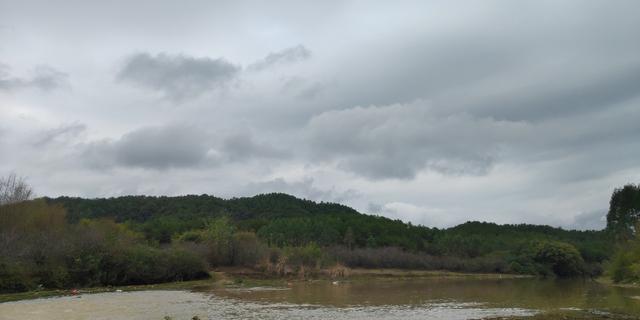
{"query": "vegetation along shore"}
[(60, 243)]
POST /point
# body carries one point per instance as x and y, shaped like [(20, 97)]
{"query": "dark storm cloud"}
[(178, 76), (43, 78), (286, 56)]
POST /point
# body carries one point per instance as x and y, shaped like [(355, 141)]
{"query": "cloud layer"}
[(178, 76), (432, 112), (283, 57), (42, 77)]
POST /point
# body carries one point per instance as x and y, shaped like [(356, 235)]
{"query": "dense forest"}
[(66, 242), (282, 221)]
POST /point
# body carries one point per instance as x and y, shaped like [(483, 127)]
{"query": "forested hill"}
[(69, 242), (143, 208), (143, 239), (280, 218), (285, 220)]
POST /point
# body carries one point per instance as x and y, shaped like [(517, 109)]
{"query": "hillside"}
[(285, 220), (65, 242)]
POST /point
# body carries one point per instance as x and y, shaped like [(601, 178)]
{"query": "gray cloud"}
[(286, 56), (242, 147), (551, 98), (162, 147), (528, 120), (398, 141), (302, 88), (374, 208), (43, 78), (423, 215), (62, 133), (171, 146), (178, 76), (303, 188), (594, 220), (311, 91)]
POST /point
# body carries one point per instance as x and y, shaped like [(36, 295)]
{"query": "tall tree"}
[(624, 211)]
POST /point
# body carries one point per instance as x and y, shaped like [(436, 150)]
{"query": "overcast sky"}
[(434, 112)]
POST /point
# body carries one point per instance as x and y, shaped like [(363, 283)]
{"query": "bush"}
[(562, 258), (145, 264), (196, 236), (39, 247), (308, 256), (625, 264), (184, 265), (247, 249), (219, 236), (14, 279), (393, 257)]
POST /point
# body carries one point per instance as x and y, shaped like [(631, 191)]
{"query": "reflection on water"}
[(380, 299), (527, 293)]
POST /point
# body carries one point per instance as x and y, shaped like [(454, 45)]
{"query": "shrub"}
[(562, 258), (14, 279), (393, 257), (196, 236), (309, 256), (219, 236), (184, 265), (625, 264), (248, 251)]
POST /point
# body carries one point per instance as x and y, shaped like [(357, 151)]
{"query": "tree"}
[(562, 258), (219, 233), (349, 238), (624, 211), (14, 189)]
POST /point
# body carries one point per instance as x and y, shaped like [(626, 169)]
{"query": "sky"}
[(433, 112)]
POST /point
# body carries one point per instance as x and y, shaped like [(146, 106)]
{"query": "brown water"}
[(461, 298)]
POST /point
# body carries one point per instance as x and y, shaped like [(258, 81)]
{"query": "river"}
[(406, 299)]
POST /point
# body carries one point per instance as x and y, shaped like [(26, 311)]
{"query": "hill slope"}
[(283, 220)]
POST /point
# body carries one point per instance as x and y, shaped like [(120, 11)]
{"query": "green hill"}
[(284, 220)]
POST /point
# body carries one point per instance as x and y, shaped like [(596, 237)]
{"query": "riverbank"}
[(246, 277), (237, 293), (569, 315), (36, 294), (329, 274)]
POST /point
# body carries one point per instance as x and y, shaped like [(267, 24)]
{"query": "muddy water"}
[(376, 299)]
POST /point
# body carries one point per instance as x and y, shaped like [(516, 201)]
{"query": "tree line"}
[(67, 242)]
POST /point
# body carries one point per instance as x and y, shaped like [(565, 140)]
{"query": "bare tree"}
[(14, 189)]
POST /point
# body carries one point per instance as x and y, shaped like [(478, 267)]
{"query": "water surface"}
[(427, 298)]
